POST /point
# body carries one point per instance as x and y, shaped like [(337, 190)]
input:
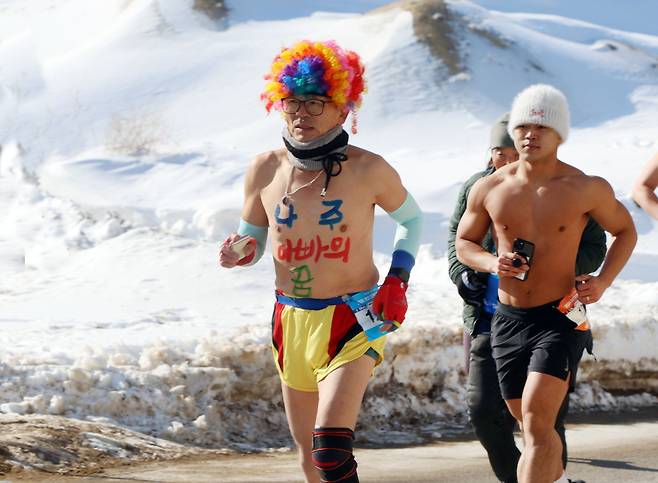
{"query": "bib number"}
[(361, 305)]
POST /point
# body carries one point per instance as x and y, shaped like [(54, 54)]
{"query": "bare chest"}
[(307, 226), (550, 214)]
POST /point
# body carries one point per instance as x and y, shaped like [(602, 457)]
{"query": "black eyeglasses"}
[(314, 107)]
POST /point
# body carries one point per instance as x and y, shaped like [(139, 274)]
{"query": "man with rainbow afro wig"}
[(320, 68), (317, 194)]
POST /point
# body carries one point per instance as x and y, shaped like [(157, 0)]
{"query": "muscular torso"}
[(322, 246), (551, 214)]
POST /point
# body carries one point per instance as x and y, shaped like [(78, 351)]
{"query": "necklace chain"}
[(287, 195)]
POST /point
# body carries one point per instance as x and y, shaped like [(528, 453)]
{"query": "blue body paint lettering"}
[(292, 216), (332, 216)]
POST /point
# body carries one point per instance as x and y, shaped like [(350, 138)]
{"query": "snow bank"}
[(125, 143)]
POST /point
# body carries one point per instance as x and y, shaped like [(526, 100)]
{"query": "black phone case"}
[(527, 250)]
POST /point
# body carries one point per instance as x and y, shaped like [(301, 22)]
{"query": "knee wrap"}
[(332, 455)]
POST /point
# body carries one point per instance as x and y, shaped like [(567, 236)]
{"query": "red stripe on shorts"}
[(277, 332), (342, 325)]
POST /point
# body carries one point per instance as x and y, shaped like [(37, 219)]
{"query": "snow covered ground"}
[(126, 129)]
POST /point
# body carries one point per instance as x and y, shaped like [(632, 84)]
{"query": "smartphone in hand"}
[(526, 249)]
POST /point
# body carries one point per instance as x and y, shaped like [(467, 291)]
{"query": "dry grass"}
[(134, 135), (495, 39), (437, 27), (215, 9), (432, 26)]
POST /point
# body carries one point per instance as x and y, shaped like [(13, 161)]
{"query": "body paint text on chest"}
[(292, 216), (338, 249), (333, 215), (301, 277)]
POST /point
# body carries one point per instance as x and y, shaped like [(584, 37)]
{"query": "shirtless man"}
[(644, 191), (546, 202), (492, 422), (318, 196)]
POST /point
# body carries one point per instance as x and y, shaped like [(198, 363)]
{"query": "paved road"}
[(599, 453)]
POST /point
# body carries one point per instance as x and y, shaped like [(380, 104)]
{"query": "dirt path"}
[(599, 453)]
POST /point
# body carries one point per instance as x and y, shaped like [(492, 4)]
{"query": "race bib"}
[(361, 305)]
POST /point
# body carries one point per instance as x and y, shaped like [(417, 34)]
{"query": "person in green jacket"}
[(492, 422)]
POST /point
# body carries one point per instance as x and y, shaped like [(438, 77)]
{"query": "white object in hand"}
[(239, 245)]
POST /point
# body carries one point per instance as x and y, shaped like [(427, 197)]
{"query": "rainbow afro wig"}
[(319, 68)]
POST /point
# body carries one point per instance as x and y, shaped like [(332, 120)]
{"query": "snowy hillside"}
[(126, 128)]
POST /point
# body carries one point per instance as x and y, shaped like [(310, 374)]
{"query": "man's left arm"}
[(616, 220), (390, 302)]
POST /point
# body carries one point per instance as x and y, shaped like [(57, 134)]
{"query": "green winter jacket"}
[(591, 251)]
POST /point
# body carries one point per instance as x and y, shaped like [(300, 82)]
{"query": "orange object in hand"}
[(574, 309)]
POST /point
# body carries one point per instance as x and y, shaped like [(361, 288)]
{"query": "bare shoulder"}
[(263, 167), (483, 187), (489, 188), (598, 183), (583, 182), (566, 170), (596, 187), (367, 164), (364, 159), (383, 181), (266, 160), (496, 178), (571, 175)]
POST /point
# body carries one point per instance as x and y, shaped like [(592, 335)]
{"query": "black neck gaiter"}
[(322, 153)]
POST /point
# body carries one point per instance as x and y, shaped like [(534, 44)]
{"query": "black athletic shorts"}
[(537, 339)]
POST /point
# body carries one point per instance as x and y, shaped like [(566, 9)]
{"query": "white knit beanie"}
[(541, 104)]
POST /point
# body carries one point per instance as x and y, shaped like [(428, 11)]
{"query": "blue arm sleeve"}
[(259, 233), (407, 237)]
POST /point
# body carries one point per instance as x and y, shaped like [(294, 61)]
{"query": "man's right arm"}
[(253, 222), (472, 229), (470, 284), (455, 267), (644, 191)]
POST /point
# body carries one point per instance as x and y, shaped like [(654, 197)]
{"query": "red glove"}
[(390, 302)]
